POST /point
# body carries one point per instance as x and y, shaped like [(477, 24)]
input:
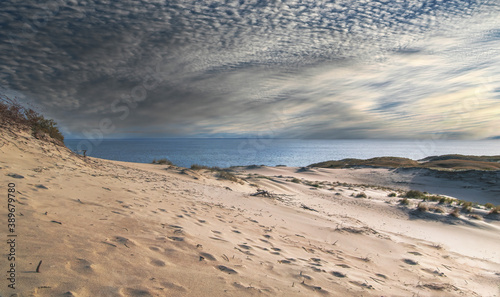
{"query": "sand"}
[(106, 228)]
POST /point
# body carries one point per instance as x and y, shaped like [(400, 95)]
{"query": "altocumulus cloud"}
[(317, 69)]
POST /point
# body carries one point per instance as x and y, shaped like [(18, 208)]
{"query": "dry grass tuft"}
[(455, 212), (423, 207)]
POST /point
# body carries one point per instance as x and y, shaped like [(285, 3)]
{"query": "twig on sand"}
[(38, 267)]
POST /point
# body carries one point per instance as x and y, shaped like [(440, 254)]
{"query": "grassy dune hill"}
[(445, 162)]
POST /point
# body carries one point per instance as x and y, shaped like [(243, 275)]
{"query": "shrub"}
[(199, 167), (227, 175), (495, 210), (415, 194), (392, 194), (489, 205), (361, 195), (295, 180), (467, 206), (404, 201), (162, 162), (434, 198), (442, 200), (11, 112)]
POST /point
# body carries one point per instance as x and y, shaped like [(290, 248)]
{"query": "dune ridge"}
[(445, 162)]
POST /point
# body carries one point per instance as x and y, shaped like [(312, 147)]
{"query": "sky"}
[(348, 69)]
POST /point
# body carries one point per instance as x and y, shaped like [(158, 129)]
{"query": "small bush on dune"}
[(361, 195), (295, 180), (162, 162), (467, 207), (489, 205), (442, 200), (11, 112), (221, 173), (199, 167), (495, 210), (404, 201), (434, 198), (414, 194), (392, 194), (227, 175)]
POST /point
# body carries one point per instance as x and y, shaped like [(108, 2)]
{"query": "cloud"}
[(349, 69)]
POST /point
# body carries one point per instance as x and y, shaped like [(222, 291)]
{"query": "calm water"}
[(228, 152)]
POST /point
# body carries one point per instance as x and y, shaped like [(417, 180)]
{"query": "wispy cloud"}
[(348, 69)]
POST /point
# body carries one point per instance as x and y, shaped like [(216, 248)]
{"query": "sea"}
[(226, 152)]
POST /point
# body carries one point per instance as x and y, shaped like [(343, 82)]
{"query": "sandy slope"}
[(107, 228)]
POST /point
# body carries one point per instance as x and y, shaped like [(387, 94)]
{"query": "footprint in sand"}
[(244, 246), (410, 262), (124, 241), (339, 274), (173, 287), (129, 292), (226, 269), (208, 256), (157, 263), (81, 266), (315, 288)]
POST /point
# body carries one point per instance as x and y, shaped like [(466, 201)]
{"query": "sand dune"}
[(105, 228)]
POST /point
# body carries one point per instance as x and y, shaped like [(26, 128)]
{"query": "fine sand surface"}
[(105, 228)]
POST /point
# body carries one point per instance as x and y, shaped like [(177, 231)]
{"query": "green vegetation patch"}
[(13, 113)]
